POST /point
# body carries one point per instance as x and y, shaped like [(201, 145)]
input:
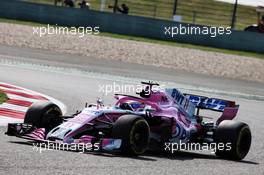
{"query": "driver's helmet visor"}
[(136, 105)]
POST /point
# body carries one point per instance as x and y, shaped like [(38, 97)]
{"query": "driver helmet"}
[(134, 105)]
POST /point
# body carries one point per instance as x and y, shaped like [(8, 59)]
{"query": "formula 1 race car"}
[(155, 118)]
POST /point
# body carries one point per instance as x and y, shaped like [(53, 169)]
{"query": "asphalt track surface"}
[(76, 79)]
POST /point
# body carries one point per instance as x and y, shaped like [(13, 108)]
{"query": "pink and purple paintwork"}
[(170, 105)]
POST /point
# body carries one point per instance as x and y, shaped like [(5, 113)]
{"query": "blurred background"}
[(204, 12)]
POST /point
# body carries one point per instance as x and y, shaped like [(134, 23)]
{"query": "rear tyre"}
[(44, 115), (134, 132), (235, 134)]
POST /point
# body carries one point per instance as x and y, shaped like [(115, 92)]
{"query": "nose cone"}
[(58, 133)]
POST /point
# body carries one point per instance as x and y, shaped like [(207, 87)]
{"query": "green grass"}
[(3, 97), (141, 39), (206, 12)]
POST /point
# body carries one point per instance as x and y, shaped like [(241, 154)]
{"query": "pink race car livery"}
[(136, 124)]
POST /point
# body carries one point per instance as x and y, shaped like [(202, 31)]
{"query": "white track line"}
[(14, 107), (17, 97), (4, 120)]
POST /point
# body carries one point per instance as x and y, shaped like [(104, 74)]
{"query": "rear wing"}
[(214, 104), (228, 108)]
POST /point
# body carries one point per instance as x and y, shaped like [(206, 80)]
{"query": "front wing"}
[(84, 143)]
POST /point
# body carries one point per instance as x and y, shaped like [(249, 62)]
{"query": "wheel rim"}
[(139, 137), (52, 118)]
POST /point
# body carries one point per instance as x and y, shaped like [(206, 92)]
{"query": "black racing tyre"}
[(44, 115), (134, 132), (237, 135)]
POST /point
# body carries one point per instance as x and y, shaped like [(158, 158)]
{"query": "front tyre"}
[(237, 135), (44, 115), (134, 132)]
